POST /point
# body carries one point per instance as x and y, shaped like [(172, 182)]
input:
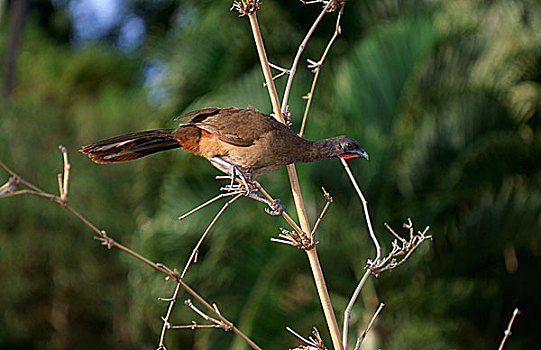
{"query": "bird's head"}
[(349, 148)]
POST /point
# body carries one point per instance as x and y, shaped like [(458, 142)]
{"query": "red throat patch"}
[(348, 155)]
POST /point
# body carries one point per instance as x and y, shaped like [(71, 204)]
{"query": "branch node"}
[(105, 240), (292, 238), (313, 342), (245, 7), (10, 186), (404, 250)]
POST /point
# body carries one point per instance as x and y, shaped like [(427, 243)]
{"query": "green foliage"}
[(443, 95)]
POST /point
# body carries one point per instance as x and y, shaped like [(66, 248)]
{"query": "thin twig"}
[(189, 303), (361, 338), (210, 201), (196, 248), (283, 71), (165, 319), (66, 175), (365, 208), (289, 329), (317, 68), (399, 254), (329, 201), (313, 342), (507, 332), (352, 301), (193, 326), (285, 215), (193, 255)]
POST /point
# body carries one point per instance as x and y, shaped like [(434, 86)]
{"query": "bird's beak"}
[(354, 154), (362, 153)]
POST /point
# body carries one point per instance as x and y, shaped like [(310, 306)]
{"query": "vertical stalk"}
[(297, 196)]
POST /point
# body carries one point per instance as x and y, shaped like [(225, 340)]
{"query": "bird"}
[(243, 143)]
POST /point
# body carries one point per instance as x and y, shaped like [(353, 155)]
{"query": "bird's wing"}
[(239, 127)]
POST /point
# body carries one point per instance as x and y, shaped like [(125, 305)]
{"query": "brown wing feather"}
[(238, 127)]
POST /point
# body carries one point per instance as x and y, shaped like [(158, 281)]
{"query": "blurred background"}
[(444, 95)]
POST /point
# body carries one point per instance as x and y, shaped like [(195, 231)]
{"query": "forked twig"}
[(218, 323), (312, 343), (283, 71), (210, 201), (302, 240), (507, 332), (302, 45), (379, 265), (399, 253), (316, 69), (329, 201), (193, 256)]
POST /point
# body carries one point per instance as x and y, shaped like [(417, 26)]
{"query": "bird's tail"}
[(132, 146)]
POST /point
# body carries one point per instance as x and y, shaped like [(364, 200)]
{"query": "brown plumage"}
[(231, 139)]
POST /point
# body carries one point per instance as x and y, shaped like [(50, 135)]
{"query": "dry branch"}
[(398, 254), (10, 189)]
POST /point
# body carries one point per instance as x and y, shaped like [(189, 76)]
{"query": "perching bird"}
[(239, 142)]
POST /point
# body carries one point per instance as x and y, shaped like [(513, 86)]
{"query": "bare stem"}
[(295, 187), (365, 208), (361, 338), (507, 332)]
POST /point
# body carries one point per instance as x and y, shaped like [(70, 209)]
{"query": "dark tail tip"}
[(132, 146)]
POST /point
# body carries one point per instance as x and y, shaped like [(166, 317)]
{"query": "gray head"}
[(347, 148)]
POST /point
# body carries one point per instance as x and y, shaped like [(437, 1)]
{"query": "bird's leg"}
[(245, 178), (228, 167), (244, 181)]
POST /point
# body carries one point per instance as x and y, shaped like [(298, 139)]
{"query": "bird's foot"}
[(275, 208)]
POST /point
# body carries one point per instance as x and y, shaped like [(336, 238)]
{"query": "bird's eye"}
[(348, 146)]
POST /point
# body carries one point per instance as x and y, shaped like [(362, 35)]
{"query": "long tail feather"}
[(132, 146)]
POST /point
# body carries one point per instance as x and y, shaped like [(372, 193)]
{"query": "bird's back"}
[(255, 142)]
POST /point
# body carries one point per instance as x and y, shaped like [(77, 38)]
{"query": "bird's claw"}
[(276, 208)]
